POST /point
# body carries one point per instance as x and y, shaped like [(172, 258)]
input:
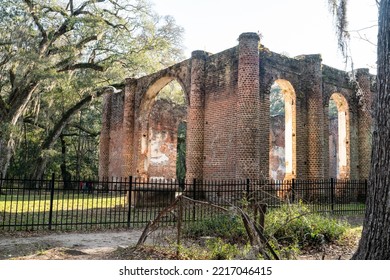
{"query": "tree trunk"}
[(6, 150), (375, 240), (8, 120), (66, 176)]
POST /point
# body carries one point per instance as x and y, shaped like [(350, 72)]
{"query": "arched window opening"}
[(339, 161), (282, 131), (166, 134)]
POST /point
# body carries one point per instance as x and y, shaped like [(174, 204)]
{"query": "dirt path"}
[(66, 245)]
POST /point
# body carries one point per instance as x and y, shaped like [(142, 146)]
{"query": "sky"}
[(290, 27)]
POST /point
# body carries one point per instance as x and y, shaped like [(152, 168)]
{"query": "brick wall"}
[(228, 130), (365, 89), (220, 135)]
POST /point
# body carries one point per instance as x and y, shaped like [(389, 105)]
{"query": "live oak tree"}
[(57, 56), (375, 240)]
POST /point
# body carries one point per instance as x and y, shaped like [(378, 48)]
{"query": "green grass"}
[(14, 203), (225, 226), (30, 210)]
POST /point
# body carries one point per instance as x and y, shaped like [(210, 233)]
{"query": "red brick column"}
[(364, 122), (128, 129), (195, 117), (104, 144), (116, 134), (315, 120), (248, 108)]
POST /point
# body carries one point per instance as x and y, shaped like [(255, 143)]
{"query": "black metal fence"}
[(131, 202)]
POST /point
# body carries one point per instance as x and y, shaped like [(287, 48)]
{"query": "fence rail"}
[(130, 202)]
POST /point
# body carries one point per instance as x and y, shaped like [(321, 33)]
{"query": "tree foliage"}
[(276, 101), (338, 9), (173, 92), (57, 56)]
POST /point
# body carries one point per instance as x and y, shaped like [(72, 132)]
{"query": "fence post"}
[(247, 189), (293, 190), (365, 190), (1, 182), (129, 200), (194, 197), (263, 211), (51, 200), (332, 190), (179, 222)]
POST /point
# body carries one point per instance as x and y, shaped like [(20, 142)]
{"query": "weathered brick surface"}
[(220, 136), (128, 128), (364, 80), (195, 126), (104, 144), (111, 136), (312, 88), (228, 130), (248, 107)]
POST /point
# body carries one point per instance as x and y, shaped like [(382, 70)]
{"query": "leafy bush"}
[(219, 250), (227, 227), (295, 224), (288, 229)]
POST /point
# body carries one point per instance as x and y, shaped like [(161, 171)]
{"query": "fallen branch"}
[(151, 226), (251, 228)]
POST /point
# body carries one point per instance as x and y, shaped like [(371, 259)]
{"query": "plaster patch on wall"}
[(157, 145), (277, 162)]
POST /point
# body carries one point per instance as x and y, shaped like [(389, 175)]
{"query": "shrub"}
[(296, 224), (227, 227), (220, 250)]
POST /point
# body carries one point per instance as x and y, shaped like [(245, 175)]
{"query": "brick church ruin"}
[(322, 128)]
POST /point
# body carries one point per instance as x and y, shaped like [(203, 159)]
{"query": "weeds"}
[(289, 229), (229, 228), (295, 225)]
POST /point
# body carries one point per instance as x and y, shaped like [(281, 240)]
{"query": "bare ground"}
[(86, 246)]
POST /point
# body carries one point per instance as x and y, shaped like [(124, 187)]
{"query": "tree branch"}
[(55, 9), (30, 120), (3, 108), (83, 42), (86, 130), (55, 133), (69, 23), (82, 66), (6, 43), (12, 77), (78, 46), (365, 28), (40, 27)]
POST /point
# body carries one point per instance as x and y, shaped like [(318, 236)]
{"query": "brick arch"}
[(147, 131), (342, 161), (155, 85), (290, 131)]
